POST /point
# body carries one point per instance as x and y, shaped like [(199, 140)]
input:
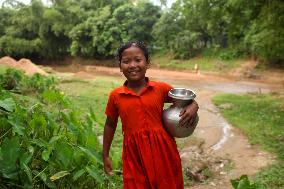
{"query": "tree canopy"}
[(96, 28)]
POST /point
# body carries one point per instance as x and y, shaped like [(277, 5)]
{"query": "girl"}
[(150, 156)]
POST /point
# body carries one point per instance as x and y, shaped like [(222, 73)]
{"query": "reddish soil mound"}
[(24, 64)]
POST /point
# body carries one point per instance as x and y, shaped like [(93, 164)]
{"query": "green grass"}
[(261, 118), (86, 94), (204, 63)]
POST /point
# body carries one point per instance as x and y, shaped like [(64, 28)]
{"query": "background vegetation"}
[(95, 28)]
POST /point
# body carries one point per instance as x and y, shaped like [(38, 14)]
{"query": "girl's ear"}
[(119, 66)]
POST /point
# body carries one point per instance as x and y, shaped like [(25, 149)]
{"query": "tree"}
[(265, 38)]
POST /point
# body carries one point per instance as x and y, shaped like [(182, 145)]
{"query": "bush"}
[(40, 148), (12, 79), (17, 81), (230, 54)]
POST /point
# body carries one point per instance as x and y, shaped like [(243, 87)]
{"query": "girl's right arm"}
[(109, 130)]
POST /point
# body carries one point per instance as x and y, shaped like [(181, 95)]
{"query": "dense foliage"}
[(95, 28), (44, 141), (242, 27)]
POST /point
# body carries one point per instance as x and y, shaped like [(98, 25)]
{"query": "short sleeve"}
[(111, 108), (166, 88)]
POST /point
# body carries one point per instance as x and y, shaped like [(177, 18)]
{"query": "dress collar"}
[(125, 90)]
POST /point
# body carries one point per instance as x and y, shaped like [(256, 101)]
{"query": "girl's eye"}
[(125, 61)]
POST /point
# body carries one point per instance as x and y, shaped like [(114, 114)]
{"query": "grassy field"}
[(213, 64), (261, 118)]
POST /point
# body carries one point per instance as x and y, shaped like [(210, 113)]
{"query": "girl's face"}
[(133, 64)]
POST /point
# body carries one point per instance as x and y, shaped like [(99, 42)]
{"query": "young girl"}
[(150, 156)]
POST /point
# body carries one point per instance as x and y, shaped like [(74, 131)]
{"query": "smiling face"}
[(133, 64)]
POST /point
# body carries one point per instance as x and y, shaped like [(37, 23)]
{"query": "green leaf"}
[(46, 153), (64, 153), (10, 152), (28, 172), (244, 183), (38, 121), (17, 123), (59, 175), (8, 104), (93, 155), (39, 142), (235, 183), (93, 171), (47, 181), (54, 139), (78, 174), (27, 156)]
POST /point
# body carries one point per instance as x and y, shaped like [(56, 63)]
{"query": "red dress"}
[(150, 157)]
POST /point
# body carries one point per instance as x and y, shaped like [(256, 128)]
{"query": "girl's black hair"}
[(138, 44)]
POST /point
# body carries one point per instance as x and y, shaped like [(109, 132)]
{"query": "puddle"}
[(226, 133)]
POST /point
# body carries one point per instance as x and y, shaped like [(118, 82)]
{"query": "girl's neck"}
[(137, 85)]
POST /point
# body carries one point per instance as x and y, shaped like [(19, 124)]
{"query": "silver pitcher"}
[(181, 97)]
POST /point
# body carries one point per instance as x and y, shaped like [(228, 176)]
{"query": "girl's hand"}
[(188, 114), (108, 166)]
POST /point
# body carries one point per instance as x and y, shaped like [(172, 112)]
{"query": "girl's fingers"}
[(187, 120), (190, 122), (110, 173), (108, 170), (184, 120), (182, 112), (108, 166)]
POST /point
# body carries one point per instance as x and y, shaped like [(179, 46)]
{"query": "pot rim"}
[(191, 93)]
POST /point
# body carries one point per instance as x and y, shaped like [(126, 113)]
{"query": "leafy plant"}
[(12, 79), (44, 143), (244, 183), (16, 81)]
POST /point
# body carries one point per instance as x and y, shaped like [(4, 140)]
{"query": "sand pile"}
[(24, 64)]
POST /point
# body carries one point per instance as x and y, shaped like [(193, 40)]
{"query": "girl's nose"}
[(132, 63)]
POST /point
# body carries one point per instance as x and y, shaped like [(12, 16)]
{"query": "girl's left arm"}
[(109, 130), (189, 114)]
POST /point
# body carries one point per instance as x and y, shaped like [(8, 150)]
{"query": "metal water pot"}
[(181, 97)]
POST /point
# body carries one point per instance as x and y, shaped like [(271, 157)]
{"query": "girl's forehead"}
[(133, 50)]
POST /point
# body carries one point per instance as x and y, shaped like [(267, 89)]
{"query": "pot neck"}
[(180, 103)]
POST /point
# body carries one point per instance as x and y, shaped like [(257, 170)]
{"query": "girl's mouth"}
[(133, 72)]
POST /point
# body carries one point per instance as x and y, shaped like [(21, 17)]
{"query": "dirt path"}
[(218, 146)]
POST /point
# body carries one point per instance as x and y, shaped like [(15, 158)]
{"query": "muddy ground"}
[(217, 152)]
